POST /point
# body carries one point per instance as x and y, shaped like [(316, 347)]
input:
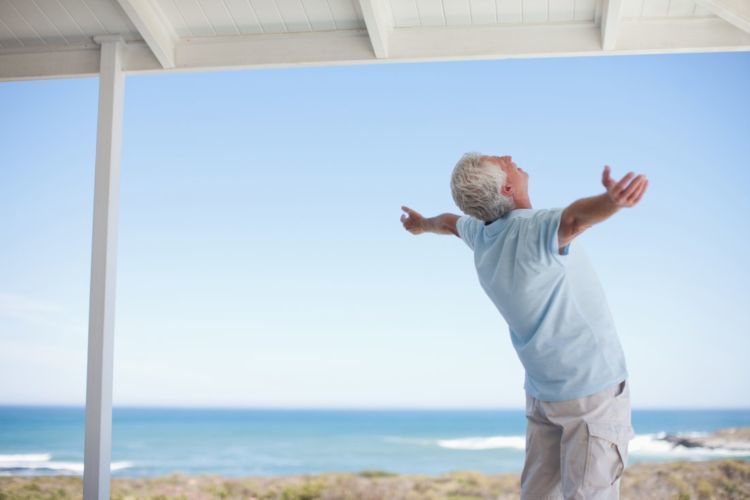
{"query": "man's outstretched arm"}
[(415, 223), (584, 213)]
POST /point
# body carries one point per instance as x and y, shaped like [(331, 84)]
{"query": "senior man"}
[(577, 393)]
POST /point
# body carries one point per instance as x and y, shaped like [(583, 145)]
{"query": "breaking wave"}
[(484, 443), (42, 464), (642, 445)]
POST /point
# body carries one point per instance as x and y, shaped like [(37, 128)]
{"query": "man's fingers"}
[(411, 212), (643, 191), (633, 196), (637, 197), (621, 184), (626, 191), (632, 191), (632, 187)]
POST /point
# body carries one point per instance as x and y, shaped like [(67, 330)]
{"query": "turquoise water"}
[(235, 442)]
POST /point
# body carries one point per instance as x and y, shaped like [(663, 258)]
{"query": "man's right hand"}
[(621, 193), (584, 213)]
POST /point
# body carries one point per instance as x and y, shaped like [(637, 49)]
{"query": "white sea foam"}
[(645, 445), (39, 462), (655, 445), (407, 440), (31, 457), (484, 443)]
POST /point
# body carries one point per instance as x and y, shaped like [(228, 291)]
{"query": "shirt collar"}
[(516, 212)]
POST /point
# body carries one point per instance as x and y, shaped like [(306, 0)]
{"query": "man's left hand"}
[(413, 221)]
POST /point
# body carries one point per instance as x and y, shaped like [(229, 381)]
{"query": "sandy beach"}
[(721, 479)]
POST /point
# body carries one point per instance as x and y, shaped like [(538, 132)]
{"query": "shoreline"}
[(717, 479)]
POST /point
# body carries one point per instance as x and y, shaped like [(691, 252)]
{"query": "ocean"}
[(240, 442)]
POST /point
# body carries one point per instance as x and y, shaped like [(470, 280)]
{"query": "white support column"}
[(98, 445)]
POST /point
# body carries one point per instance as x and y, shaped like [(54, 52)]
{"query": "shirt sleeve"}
[(468, 229), (546, 227)]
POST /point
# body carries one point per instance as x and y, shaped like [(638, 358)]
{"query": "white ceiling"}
[(49, 38)]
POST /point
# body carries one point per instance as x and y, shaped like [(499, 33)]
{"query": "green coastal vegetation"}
[(720, 479)]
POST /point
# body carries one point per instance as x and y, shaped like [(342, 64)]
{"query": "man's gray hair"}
[(475, 186)]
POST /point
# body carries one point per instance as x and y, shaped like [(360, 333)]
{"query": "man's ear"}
[(506, 190)]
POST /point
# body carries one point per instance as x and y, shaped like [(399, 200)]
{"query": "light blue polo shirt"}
[(559, 319)]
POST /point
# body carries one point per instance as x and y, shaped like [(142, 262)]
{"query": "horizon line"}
[(126, 406)]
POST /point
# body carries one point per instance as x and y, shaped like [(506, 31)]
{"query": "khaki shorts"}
[(577, 449)]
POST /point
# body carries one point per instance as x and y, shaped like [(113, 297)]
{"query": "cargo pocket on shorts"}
[(607, 454)]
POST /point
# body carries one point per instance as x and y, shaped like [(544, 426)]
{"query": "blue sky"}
[(261, 258)]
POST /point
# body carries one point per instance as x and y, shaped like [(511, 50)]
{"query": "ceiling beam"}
[(70, 61), (379, 22), (680, 36), (272, 50), (493, 42), (346, 47), (559, 40), (156, 31), (735, 12), (610, 23)]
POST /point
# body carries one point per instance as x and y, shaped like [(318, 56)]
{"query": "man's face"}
[(517, 182)]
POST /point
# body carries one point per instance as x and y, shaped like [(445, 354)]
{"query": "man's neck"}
[(522, 203)]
